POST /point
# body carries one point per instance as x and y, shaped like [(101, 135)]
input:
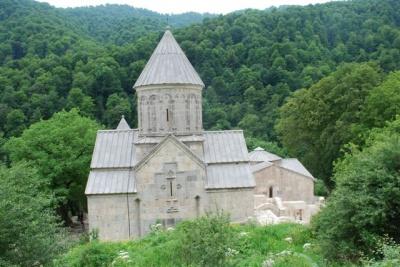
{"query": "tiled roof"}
[(168, 65), (229, 175), (225, 146)]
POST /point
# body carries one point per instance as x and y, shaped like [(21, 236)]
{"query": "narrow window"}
[(170, 187), (271, 192), (167, 115), (197, 206)]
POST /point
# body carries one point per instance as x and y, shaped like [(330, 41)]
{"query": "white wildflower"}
[(170, 229), (268, 263), (284, 253), (242, 234), (307, 246), (231, 252)]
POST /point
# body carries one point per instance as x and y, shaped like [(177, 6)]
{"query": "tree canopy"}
[(365, 206), (29, 230), (60, 148)]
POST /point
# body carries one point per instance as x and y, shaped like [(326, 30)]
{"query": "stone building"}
[(170, 169), (284, 188)]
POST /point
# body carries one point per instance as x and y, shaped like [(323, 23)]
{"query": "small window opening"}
[(167, 115), (271, 192)]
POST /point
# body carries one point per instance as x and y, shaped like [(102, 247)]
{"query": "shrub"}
[(365, 205), (206, 241), (29, 232)]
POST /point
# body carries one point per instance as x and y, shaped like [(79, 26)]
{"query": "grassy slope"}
[(159, 249)]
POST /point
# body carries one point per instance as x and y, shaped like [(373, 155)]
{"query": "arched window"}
[(197, 198), (138, 219), (142, 111), (153, 113), (192, 112)]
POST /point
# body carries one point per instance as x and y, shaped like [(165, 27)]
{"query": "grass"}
[(242, 245)]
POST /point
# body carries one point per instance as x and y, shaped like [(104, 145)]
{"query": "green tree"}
[(365, 206), (383, 102), (30, 233), (77, 99), (61, 149), (116, 107), (315, 123)]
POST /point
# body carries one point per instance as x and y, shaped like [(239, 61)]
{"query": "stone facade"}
[(276, 181), (170, 169), (169, 108)]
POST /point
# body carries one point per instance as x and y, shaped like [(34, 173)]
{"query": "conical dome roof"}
[(123, 124), (168, 65)]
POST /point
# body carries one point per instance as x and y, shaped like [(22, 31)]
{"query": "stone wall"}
[(171, 186), (109, 214), (239, 203), (169, 108), (275, 181)]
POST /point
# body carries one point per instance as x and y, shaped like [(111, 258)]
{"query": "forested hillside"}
[(319, 82), (250, 61)]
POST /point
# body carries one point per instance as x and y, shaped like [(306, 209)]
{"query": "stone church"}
[(170, 169)]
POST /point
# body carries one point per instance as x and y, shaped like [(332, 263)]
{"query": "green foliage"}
[(60, 148), (365, 206), (238, 245), (272, 147), (315, 123), (389, 253), (250, 61), (116, 107), (383, 102), (30, 234), (206, 241)]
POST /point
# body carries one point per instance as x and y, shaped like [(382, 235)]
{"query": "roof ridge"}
[(223, 131)]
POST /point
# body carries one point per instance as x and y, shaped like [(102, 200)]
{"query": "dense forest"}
[(319, 82)]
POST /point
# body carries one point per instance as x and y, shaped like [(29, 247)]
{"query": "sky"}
[(181, 6)]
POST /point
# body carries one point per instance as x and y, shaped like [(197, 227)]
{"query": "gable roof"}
[(295, 166), (123, 125), (260, 155), (225, 146), (114, 149), (168, 65), (169, 137)]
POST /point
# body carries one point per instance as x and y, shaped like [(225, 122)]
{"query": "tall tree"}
[(315, 123), (61, 149)]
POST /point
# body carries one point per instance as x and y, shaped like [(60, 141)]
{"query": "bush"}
[(206, 241), (30, 234), (365, 205)]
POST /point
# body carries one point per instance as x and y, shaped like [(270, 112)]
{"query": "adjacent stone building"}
[(170, 169)]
